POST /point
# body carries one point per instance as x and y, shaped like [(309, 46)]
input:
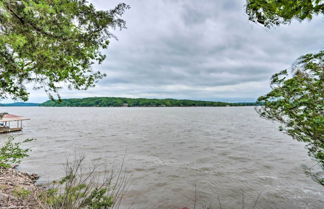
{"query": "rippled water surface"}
[(223, 152)]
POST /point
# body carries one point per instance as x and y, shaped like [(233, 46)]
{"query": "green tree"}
[(296, 99), (297, 102), (52, 42), (276, 12)]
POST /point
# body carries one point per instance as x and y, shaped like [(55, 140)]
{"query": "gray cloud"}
[(197, 49)]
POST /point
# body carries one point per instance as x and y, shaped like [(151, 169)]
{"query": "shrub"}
[(78, 190), (11, 152)]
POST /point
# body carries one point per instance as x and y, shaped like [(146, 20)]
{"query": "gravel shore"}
[(18, 189)]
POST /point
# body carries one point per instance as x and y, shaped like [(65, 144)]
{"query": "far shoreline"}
[(130, 102)]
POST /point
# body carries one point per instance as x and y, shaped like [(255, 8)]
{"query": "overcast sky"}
[(196, 50)]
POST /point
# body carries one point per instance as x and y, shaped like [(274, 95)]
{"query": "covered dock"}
[(11, 123)]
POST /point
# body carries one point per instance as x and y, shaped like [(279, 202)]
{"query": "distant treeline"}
[(17, 104), (139, 102)]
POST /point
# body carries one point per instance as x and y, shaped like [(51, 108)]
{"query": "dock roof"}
[(11, 117)]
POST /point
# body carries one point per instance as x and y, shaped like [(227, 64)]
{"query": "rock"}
[(3, 196), (34, 177)]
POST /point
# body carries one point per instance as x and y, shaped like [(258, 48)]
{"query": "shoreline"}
[(18, 189)]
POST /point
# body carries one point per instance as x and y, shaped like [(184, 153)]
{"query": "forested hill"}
[(139, 102)]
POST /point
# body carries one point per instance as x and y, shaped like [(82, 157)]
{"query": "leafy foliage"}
[(139, 102), (12, 153), (275, 12), (52, 43), (298, 103)]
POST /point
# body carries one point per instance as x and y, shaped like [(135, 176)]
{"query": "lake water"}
[(168, 152)]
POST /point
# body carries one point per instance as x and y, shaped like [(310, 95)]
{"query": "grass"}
[(21, 193)]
